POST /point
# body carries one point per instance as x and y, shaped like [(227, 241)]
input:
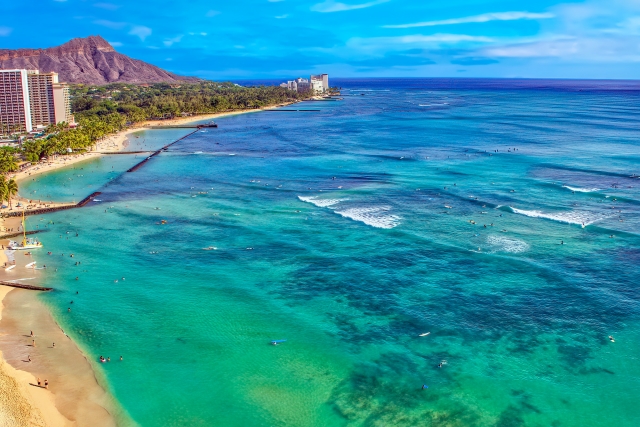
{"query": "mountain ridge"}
[(89, 60)]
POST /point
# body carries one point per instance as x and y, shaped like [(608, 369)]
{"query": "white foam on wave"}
[(321, 203), (582, 190), (569, 217), (373, 216), (507, 244)]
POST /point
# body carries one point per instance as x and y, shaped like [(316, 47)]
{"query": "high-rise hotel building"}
[(29, 100), (15, 110)]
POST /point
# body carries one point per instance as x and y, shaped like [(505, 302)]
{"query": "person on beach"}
[(46, 383), (53, 345), (32, 333), (33, 342), (28, 358), (39, 382)]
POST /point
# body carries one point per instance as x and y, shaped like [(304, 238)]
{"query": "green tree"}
[(11, 190), (4, 193)]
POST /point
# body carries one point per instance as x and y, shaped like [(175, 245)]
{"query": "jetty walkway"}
[(21, 286), (155, 153), (80, 204), (290, 110), (19, 233), (204, 126)]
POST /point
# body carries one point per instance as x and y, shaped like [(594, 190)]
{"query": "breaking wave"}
[(581, 190), (321, 203), (568, 217), (507, 244), (375, 217)]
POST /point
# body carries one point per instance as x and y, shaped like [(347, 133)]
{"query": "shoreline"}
[(75, 396), (20, 403)]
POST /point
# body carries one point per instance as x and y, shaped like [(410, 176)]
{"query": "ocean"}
[(500, 216)]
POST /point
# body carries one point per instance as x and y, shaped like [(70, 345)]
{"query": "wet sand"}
[(74, 397), (22, 403)]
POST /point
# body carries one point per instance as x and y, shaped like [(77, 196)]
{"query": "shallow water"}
[(349, 232)]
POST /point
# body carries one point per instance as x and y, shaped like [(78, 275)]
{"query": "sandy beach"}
[(21, 403), (73, 398)]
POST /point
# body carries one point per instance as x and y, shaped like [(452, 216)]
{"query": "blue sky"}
[(348, 38)]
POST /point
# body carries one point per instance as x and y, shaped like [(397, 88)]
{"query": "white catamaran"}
[(26, 243)]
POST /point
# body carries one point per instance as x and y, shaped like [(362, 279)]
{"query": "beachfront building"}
[(49, 99), (30, 99), (15, 113), (318, 84)]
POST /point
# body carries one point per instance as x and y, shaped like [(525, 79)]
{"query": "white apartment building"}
[(318, 84), (29, 99)]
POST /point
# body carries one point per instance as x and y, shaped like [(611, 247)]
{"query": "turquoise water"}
[(351, 231)]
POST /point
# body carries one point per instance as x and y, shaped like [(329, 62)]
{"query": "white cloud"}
[(5, 31), (115, 44), (384, 44), (281, 16), (110, 24), (334, 6), (203, 34), (593, 49), (212, 13), (108, 6), (140, 31), (485, 17), (169, 42)]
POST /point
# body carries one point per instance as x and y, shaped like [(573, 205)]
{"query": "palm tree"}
[(11, 190), (3, 189)]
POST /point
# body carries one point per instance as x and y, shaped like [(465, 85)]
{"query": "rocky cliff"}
[(90, 60)]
